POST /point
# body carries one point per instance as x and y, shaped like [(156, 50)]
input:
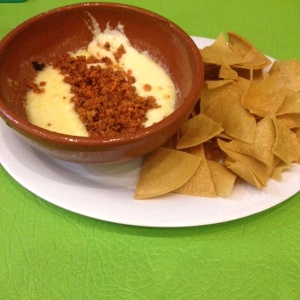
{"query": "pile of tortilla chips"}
[(246, 126)]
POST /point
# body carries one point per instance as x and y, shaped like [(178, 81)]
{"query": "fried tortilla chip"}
[(298, 139), (226, 72), (257, 168), (213, 84), (263, 98), (286, 146), (290, 104), (286, 74), (201, 183), (217, 94), (226, 109), (246, 173), (261, 148), (291, 121), (219, 52), (198, 130), (165, 170), (253, 58), (278, 169), (222, 178)]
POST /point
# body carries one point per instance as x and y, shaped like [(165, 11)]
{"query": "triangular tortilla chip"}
[(226, 72), (277, 171), (261, 148), (219, 52), (260, 170), (246, 173), (163, 171), (286, 146), (242, 47), (213, 84), (222, 177), (291, 121), (263, 98), (198, 130), (209, 96), (227, 110), (286, 74), (200, 184), (290, 104), (298, 139)]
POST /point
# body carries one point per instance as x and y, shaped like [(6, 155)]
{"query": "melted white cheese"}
[(53, 109)]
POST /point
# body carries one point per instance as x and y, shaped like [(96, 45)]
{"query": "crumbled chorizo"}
[(104, 97), (147, 87), (36, 88), (118, 54)]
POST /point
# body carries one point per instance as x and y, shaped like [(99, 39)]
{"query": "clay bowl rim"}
[(25, 127)]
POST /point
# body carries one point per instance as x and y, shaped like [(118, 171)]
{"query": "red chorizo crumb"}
[(42, 83), (147, 87), (107, 61), (120, 51), (104, 98), (35, 87), (107, 46)]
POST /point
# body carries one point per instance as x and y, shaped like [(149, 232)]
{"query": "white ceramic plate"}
[(106, 192)]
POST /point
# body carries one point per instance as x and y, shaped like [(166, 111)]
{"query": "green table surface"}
[(49, 253)]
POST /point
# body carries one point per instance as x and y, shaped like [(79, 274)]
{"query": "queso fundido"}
[(105, 90)]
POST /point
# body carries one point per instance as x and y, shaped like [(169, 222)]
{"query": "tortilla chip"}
[(213, 84), (286, 74), (198, 130), (243, 84), (286, 146), (163, 171), (298, 135), (253, 58), (222, 177), (261, 148), (226, 72), (209, 96), (200, 184), (291, 121), (257, 168), (244, 172), (225, 108), (298, 139), (278, 169), (219, 52), (290, 104), (263, 98)]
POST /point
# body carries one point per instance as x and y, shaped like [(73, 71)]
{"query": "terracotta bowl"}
[(65, 29)]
